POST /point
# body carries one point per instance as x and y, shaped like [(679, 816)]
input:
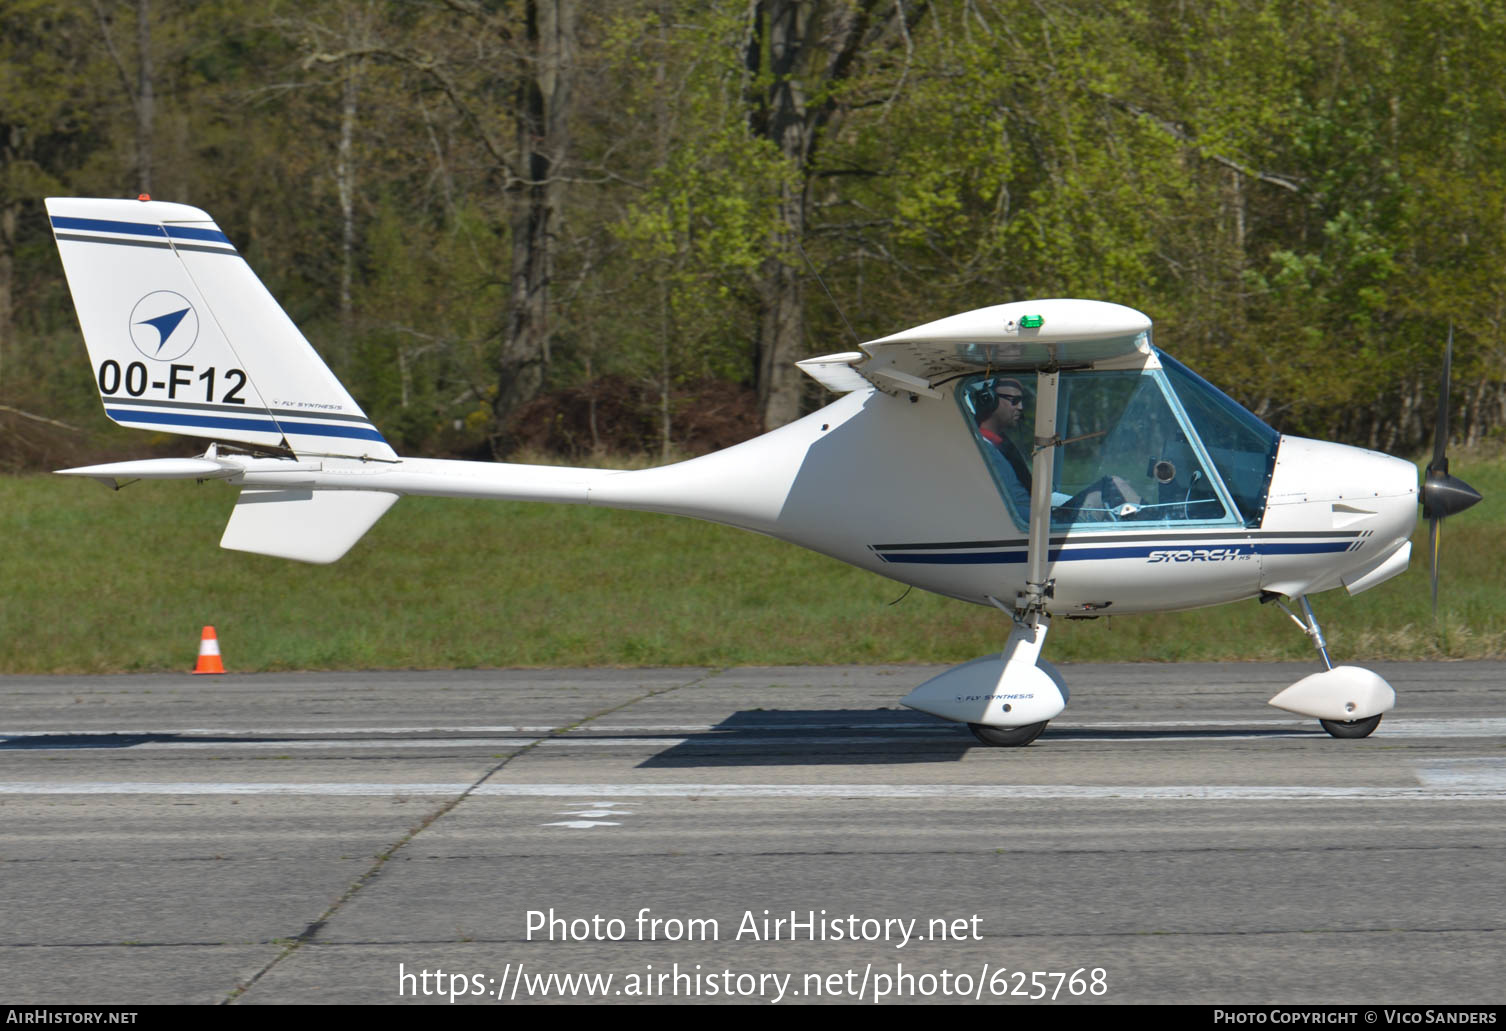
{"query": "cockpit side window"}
[(1126, 457), (1125, 453)]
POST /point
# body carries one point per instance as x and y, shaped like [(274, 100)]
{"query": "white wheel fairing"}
[(1344, 694), (982, 692)]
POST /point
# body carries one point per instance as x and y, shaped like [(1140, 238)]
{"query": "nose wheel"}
[(1351, 728)]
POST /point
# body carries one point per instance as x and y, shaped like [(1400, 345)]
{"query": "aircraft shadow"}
[(819, 737), (46, 742), (857, 737)]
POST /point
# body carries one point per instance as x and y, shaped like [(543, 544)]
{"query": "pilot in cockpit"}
[(998, 406)]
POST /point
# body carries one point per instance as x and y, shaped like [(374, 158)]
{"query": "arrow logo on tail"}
[(164, 325)]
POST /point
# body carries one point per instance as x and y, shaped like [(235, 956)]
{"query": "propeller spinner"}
[(1442, 495)]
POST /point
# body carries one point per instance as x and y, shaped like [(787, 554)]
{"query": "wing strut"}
[(1032, 602)]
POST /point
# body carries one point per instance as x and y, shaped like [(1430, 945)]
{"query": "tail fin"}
[(185, 339)]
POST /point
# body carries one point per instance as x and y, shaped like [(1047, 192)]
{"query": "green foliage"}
[(704, 219), (1303, 196), (701, 229), (426, 308)]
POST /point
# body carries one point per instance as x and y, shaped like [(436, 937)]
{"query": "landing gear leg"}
[(1316, 632), (1348, 701), (1309, 624)]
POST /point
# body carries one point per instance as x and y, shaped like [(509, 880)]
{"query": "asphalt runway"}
[(775, 835)]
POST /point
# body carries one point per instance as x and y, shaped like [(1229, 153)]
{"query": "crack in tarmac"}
[(305, 936)]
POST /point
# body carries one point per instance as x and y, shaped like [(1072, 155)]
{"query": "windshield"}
[(1241, 447)]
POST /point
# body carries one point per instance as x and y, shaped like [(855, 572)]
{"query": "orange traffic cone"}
[(209, 653)]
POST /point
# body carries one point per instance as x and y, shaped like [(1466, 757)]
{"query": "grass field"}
[(97, 581)]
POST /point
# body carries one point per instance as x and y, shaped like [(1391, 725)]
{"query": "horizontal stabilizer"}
[(111, 474), (307, 525)]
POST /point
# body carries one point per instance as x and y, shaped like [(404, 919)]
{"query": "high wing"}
[(1019, 335)]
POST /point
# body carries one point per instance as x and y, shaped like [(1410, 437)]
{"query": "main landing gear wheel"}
[(1352, 728), (1015, 737)]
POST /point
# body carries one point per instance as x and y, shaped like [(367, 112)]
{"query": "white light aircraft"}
[(1136, 487)]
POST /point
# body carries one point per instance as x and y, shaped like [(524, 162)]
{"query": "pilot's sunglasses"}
[(1013, 399)]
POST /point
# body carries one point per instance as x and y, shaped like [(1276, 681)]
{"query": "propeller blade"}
[(1442, 495), (1433, 539)]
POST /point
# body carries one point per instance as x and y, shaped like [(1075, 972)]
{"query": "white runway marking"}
[(1458, 790), (595, 816), (291, 744), (96, 743), (224, 788), (581, 825), (635, 728), (305, 730), (1014, 792), (1391, 726), (1463, 773), (1398, 726)]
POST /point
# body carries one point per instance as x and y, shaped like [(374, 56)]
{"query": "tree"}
[(543, 88), (50, 105), (801, 58), (139, 88), (701, 223)]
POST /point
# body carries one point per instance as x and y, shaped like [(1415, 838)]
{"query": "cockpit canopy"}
[(1152, 446)]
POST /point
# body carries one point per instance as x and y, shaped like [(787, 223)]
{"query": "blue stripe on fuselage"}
[(1091, 554)]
